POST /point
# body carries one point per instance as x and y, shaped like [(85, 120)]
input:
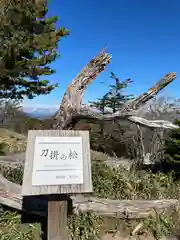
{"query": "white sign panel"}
[(57, 161)]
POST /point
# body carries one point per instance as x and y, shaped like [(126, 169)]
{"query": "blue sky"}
[(142, 36)]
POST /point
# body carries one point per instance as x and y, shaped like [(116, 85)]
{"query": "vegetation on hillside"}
[(11, 114)]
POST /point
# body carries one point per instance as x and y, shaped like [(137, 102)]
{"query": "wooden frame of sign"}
[(57, 164)]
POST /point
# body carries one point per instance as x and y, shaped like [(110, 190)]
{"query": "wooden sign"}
[(57, 162), (57, 165)]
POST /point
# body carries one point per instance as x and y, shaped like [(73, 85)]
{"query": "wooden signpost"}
[(57, 165)]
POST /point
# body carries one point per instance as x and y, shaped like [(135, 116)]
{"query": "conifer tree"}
[(28, 44), (114, 98)]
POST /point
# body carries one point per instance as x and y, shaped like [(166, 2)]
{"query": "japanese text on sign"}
[(54, 154), (58, 160)]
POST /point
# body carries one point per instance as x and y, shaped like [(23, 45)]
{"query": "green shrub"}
[(172, 145), (13, 174), (85, 226), (121, 183), (12, 229), (2, 149)]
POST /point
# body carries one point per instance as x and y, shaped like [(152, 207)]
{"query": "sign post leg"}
[(57, 220)]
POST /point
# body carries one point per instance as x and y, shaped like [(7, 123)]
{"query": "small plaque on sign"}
[(57, 161)]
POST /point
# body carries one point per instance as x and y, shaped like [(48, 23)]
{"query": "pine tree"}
[(114, 98), (28, 44), (172, 145)]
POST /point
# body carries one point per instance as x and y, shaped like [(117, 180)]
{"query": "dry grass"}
[(13, 142)]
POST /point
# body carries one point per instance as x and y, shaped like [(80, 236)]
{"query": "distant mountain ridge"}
[(42, 112)]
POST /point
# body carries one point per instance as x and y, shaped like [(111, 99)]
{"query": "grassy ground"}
[(114, 184), (108, 183), (12, 142)]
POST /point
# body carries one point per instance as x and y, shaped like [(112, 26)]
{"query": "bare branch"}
[(87, 113), (152, 123), (72, 100), (145, 97)]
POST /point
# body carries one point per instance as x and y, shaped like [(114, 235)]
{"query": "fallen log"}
[(10, 195)]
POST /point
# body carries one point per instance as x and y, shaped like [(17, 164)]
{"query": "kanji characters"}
[(44, 152), (54, 154), (72, 154)]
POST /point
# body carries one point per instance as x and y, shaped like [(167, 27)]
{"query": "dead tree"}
[(72, 110)]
